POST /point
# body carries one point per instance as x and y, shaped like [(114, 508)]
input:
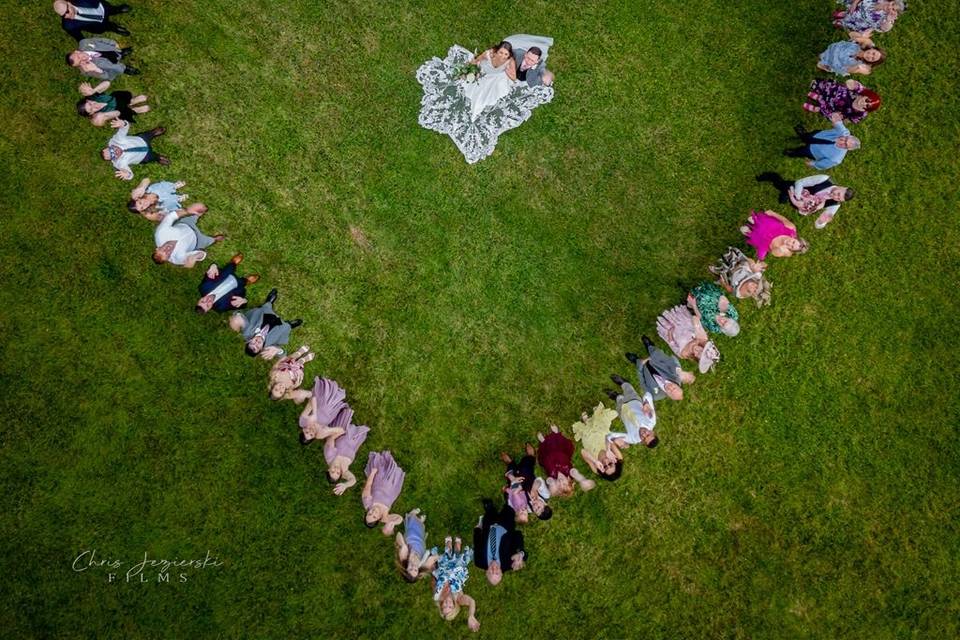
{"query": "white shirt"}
[(124, 141), (182, 234), (633, 417), (809, 181), (89, 14), (229, 284)]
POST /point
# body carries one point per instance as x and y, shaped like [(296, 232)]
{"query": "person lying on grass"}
[(639, 415), (286, 376), (264, 332), (449, 578), (222, 289), (101, 108), (660, 374), (771, 234), (152, 200), (497, 544), (683, 332), (383, 486), (599, 452), (857, 55), (526, 492), (555, 455), (412, 558), (742, 276)]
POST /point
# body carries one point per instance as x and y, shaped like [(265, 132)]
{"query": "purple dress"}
[(836, 98), (329, 396), (348, 443), (389, 480)]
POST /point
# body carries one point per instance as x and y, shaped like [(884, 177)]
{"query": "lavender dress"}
[(389, 480), (329, 396), (348, 444)]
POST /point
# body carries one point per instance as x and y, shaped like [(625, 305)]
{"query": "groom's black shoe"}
[(632, 357), (126, 51), (295, 323), (800, 130), (647, 342), (272, 296), (121, 31), (613, 395), (618, 380)]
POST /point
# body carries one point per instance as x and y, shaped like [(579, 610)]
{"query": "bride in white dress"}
[(498, 72), (475, 113)]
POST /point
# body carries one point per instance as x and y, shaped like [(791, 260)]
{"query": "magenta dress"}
[(764, 229), (389, 480), (330, 401), (348, 443)]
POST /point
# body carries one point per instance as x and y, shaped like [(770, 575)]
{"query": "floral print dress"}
[(452, 568), (835, 97)]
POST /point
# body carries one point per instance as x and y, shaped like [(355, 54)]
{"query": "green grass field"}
[(806, 489)]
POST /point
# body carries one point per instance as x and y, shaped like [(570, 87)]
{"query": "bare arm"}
[(471, 605), (367, 493), (589, 459), (348, 481), (512, 69), (140, 189), (481, 56), (779, 217)]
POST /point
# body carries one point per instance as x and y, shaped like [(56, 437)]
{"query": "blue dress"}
[(167, 194), (415, 535), (840, 56), (453, 569)]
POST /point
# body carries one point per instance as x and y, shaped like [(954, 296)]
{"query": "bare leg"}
[(141, 109), (540, 436), (584, 483), (138, 99)]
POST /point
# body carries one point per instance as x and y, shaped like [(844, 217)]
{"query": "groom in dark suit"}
[(497, 545), (92, 16), (531, 68)]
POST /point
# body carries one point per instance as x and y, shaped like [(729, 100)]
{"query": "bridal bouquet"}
[(467, 72)]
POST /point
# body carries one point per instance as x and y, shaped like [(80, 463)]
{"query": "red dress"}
[(555, 454)]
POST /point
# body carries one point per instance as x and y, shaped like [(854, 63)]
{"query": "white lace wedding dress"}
[(448, 105)]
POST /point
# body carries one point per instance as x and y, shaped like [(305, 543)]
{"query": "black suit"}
[(510, 544), (76, 27)]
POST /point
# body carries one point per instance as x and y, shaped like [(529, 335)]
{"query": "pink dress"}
[(389, 480), (329, 396), (764, 229)]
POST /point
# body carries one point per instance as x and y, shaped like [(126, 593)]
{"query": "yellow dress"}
[(592, 434)]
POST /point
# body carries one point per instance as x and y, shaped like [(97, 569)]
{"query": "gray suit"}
[(277, 336), (533, 76), (108, 70), (667, 367)]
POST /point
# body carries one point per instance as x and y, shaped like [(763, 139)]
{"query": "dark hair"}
[(535, 51), (878, 61), (303, 439), (199, 309), (81, 108), (407, 576), (615, 474), (158, 258), (132, 206), (848, 194), (371, 525), (546, 514), (503, 44), (69, 63), (249, 350), (330, 479), (653, 443)]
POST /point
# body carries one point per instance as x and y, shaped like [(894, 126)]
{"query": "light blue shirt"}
[(828, 154), (493, 543)]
